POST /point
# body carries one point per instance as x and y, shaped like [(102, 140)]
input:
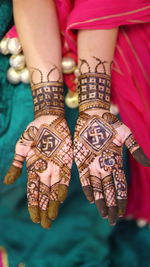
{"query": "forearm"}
[(95, 52), (38, 30)]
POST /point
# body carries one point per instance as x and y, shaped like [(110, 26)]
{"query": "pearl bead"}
[(114, 109), (14, 46), (4, 46), (76, 72), (17, 61), (71, 99), (141, 222), (13, 76), (24, 76), (68, 65)]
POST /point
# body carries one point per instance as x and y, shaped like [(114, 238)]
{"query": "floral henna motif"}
[(33, 192)]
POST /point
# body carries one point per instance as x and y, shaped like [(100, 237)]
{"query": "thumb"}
[(136, 151), (17, 164)]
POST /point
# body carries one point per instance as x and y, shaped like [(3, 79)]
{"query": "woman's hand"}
[(98, 145), (46, 146)]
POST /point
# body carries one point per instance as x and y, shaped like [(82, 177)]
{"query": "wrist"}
[(48, 99), (94, 91)]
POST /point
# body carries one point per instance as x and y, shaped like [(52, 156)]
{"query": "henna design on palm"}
[(98, 144), (46, 146), (98, 140), (47, 149)]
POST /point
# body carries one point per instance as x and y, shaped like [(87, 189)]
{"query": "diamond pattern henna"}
[(96, 134), (47, 142)]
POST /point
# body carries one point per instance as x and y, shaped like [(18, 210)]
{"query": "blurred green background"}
[(79, 237)]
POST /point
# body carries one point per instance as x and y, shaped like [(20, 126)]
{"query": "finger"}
[(45, 221), (34, 213), (86, 185), (65, 175), (62, 192), (121, 190), (53, 209), (110, 198), (98, 195), (112, 215), (140, 157), (101, 206), (12, 174), (15, 169), (122, 204), (44, 193), (136, 151), (32, 196), (54, 202)]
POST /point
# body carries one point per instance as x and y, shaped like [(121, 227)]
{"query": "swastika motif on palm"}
[(96, 134), (47, 142)]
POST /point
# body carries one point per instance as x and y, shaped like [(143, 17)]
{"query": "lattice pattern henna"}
[(43, 196), (54, 192), (94, 91), (48, 98), (64, 156), (109, 191), (131, 144), (80, 152)]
